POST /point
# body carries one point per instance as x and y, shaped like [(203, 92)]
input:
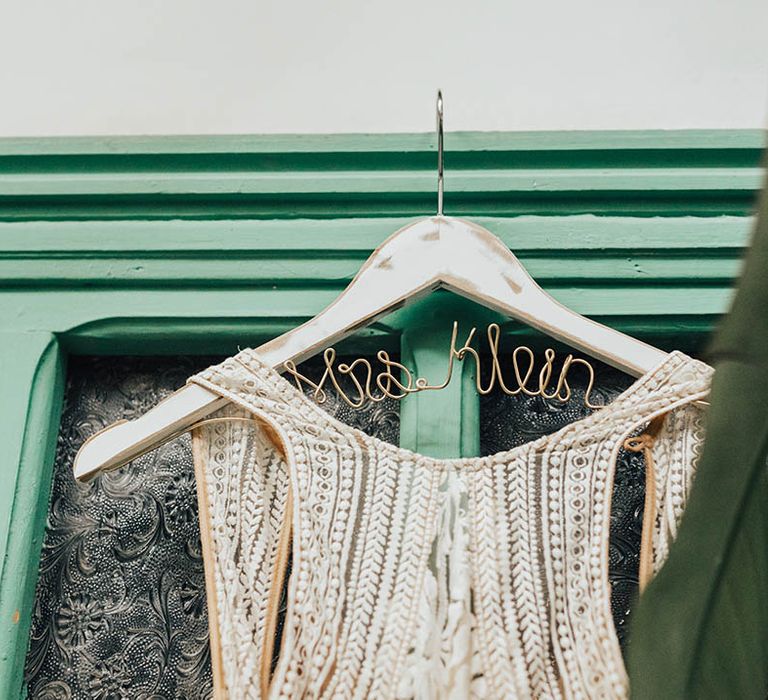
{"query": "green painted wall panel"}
[(156, 245)]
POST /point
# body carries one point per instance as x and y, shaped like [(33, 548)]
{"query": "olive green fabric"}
[(701, 628)]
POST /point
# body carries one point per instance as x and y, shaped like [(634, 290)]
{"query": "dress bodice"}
[(415, 577)]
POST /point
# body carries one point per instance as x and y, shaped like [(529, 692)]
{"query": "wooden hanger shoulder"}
[(431, 253)]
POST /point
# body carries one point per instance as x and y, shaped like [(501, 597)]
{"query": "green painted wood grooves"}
[(253, 253), (705, 173), (358, 237), (208, 244), (67, 313)]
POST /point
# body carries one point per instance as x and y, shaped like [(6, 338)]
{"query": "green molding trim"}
[(83, 309), (224, 282), (555, 249), (645, 173), (33, 387), (313, 145)]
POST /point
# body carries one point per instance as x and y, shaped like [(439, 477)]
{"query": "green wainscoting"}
[(199, 245)]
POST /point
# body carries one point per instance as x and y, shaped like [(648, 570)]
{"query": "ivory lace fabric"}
[(415, 577)]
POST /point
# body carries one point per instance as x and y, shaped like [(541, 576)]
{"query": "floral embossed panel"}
[(120, 609)]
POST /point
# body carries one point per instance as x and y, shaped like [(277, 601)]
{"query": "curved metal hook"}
[(439, 112)]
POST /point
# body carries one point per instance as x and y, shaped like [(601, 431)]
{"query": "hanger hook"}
[(439, 112)]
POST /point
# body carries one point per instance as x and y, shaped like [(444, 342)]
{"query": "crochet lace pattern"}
[(415, 577)]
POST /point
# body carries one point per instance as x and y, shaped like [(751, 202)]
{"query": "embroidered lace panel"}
[(415, 577)]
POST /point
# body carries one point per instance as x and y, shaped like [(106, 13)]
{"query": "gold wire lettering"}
[(396, 381)]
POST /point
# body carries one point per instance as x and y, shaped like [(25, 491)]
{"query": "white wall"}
[(249, 66)]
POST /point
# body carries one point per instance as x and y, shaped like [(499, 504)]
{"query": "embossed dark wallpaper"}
[(120, 610), (120, 607)]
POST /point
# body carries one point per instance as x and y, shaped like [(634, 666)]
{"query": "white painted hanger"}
[(431, 253)]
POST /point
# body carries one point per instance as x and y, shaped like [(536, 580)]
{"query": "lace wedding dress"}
[(414, 577)]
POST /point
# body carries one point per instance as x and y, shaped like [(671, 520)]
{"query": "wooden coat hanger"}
[(428, 254)]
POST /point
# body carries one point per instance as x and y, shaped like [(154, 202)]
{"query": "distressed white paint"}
[(436, 252), (269, 66)]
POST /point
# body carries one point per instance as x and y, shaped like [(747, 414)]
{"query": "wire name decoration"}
[(395, 381)]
